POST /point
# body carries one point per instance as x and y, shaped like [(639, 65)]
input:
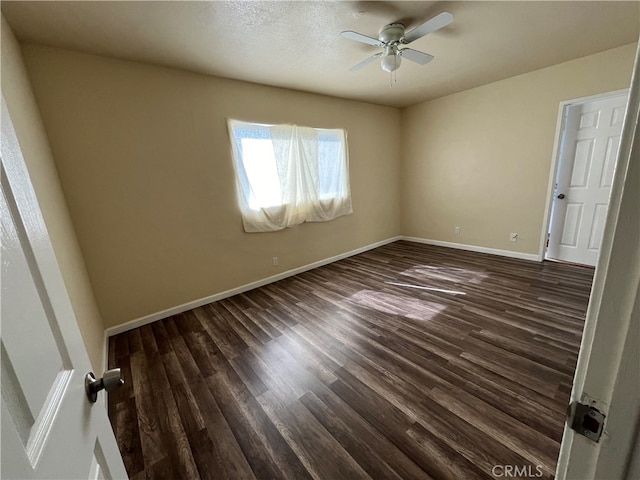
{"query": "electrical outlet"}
[(456, 230), (275, 261), (513, 237)]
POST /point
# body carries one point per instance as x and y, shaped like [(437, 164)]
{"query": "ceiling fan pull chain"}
[(393, 78)]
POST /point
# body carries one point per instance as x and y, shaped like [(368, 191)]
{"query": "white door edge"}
[(615, 294)]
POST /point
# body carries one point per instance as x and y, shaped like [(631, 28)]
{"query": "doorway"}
[(587, 150)]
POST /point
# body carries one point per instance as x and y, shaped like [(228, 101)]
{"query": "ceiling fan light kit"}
[(390, 59), (392, 36)]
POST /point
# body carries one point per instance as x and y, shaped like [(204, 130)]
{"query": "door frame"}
[(555, 159)]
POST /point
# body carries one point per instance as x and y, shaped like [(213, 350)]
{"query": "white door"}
[(50, 430), (588, 152)]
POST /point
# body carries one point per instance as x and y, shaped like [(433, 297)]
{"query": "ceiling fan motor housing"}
[(392, 33)]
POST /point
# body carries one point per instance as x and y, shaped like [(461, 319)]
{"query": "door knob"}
[(561, 196), (111, 380)]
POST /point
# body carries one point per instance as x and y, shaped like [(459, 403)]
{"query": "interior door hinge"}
[(586, 420)]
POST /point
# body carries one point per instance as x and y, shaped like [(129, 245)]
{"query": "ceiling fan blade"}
[(366, 62), (358, 37), (416, 56), (436, 23)]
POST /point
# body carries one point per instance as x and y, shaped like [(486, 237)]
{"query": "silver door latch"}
[(111, 380), (585, 420)]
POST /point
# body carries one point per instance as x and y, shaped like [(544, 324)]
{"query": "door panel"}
[(609, 161), (21, 296), (49, 427), (618, 115), (573, 218), (597, 226), (99, 469), (37, 371), (581, 163), (589, 119), (587, 159)]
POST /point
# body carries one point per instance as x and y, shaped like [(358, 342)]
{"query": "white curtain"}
[(287, 174)]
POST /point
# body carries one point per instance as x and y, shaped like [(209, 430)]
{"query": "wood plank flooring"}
[(405, 362)]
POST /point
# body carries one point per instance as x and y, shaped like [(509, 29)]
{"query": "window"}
[(287, 174)]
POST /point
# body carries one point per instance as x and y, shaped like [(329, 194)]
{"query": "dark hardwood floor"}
[(405, 362)]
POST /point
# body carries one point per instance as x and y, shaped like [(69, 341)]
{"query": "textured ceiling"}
[(297, 44)]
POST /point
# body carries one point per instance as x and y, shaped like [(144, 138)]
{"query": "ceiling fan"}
[(392, 36)]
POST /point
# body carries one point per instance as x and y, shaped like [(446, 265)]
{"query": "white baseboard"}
[(473, 248), (138, 322)]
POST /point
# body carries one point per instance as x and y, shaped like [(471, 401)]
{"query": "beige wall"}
[(37, 154), (480, 159), (144, 160)]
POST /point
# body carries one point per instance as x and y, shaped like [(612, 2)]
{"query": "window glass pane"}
[(330, 165), (260, 164)]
